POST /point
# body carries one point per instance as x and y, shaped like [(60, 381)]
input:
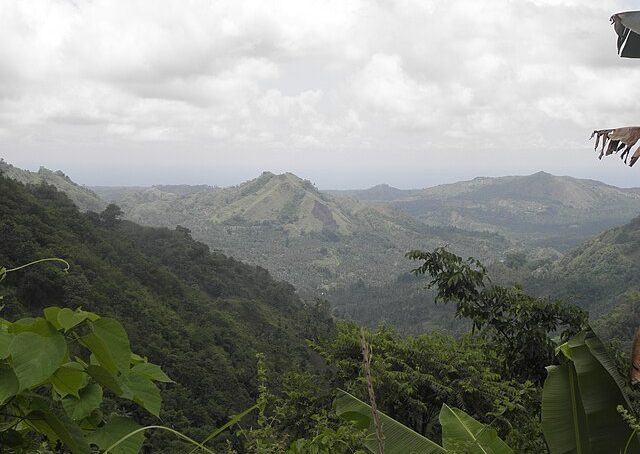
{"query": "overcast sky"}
[(345, 93)]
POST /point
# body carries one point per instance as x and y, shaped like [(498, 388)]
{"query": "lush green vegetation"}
[(200, 315), (83, 197), (350, 252), (54, 372), (404, 304), (598, 273), (203, 318), (540, 209), (310, 238)]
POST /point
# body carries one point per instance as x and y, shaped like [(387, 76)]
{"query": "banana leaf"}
[(563, 419), (579, 401), (398, 438), (463, 434)]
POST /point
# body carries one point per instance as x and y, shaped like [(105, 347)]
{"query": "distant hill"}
[(311, 238), (199, 314), (349, 246), (378, 193), (599, 273), (84, 198), (540, 209)]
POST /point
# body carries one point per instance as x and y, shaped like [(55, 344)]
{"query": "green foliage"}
[(294, 423), (414, 375), (327, 437), (33, 364), (621, 322), (47, 388), (83, 197), (312, 239), (398, 438), (200, 315), (518, 326), (599, 274), (111, 214), (264, 439), (580, 401), (539, 210), (402, 303), (461, 433)]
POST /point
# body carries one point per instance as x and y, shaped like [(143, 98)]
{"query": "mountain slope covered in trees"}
[(599, 273), (351, 252), (200, 315), (540, 209), (84, 198), (312, 239)]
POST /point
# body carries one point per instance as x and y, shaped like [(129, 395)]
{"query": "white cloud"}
[(384, 85), (250, 83)]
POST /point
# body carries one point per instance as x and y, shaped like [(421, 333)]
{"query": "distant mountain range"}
[(540, 209), (311, 238), (349, 246)]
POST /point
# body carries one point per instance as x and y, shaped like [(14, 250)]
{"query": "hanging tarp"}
[(627, 26), (618, 139)]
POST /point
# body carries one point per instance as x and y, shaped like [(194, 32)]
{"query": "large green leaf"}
[(81, 407), (9, 385), (398, 438), (600, 352), (563, 420), (151, 371), (68, 318), (463, 434), (600, 395), (35, 358), (106, 379), (114, 430), (51, 314), (143, 392), (579, 401), (109, 342), (59, 428), (36, 325), (68, 379)]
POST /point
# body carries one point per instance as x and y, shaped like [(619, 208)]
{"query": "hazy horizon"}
[(228, 180)]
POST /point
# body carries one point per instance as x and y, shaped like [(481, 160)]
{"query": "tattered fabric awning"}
[(627, 26), (619, 139)]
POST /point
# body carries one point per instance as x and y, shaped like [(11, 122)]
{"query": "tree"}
[(518, 326), (414, 375), (111, 214)]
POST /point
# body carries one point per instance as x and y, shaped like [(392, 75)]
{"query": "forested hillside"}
[(84, 198), (352, 252), (202, 316), (316, 241), (598, 274), (539, 209)]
